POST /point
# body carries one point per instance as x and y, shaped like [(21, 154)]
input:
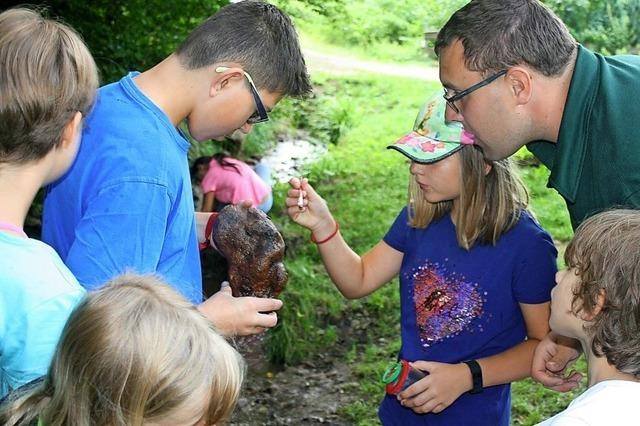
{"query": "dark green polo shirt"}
[(595, 165)]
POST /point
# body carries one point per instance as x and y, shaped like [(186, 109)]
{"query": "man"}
[(126, 204), (514, 76)]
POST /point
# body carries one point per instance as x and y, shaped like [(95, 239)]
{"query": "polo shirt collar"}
[(567, 164)]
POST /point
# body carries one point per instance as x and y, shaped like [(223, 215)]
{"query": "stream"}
[(289, 158)]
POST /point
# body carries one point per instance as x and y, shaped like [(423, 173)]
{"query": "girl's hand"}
[(443, 385), (311, 210)]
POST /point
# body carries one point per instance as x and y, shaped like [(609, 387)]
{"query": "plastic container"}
[(400, 375)]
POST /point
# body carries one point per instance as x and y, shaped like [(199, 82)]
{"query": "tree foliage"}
[(607, 26), (125, 35)]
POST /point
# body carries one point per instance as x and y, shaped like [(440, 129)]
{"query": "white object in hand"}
[(300, 198)]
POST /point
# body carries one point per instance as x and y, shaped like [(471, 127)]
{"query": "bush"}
[(134, 34), (608, 27)]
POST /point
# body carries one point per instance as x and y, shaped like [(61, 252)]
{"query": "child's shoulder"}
[(50, 279), (527, 233), (527, 224)]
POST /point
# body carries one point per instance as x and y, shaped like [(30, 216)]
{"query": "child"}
[(134, 352), (230, 181), (597, 301), (127, 203), (48, 82), (475, 274)]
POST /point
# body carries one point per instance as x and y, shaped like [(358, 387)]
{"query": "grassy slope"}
[(364, 185)]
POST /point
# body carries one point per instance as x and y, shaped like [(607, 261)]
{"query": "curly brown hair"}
[(605, 253)]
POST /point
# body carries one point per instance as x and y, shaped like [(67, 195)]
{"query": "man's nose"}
[(246, 128), (451, 114)]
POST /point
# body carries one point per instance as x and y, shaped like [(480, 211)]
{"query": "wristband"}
[(476, 375), (333, 234), (208, 231)]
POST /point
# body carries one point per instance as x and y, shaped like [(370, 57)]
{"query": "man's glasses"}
[(260, 114), (451, 100)]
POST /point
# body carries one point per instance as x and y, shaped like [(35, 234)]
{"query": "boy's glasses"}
[(260, 114), (451, 100)]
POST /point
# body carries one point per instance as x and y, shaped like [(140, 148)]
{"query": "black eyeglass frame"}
[(260, 115), (451, 100)]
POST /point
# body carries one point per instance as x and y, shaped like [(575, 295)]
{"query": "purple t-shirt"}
[(458, 305)]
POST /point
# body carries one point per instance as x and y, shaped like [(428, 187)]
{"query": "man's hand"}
[(551, 358), (240, 316)]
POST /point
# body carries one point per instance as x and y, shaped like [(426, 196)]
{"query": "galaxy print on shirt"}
[(446, 303)]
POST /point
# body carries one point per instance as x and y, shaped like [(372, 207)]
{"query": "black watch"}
[(476, 375)]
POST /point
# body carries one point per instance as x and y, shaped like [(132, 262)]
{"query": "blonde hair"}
[(132, 352), (490, 203), (46, 75), (605, 253)]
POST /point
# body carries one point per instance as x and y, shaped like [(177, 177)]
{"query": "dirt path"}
[(336, 64)]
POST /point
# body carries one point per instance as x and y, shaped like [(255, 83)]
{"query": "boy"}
[(597, 301), (127, 203), (48, 82)]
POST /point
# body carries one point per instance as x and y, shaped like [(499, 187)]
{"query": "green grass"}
[(365, 186)]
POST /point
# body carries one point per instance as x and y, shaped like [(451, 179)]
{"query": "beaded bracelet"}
[(333, 234)]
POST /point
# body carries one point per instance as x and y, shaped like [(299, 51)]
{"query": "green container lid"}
[(392, 372)]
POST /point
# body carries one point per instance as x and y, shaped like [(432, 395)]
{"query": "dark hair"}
[(47, 75), (605, 253), (256, 35), (221, 158), (498, 34), (200, 161)]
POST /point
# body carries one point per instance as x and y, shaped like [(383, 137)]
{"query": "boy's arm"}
[(122, 230)]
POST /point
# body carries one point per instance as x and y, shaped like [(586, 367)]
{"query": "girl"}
[(475, 274), (229, 181), (134, 353)]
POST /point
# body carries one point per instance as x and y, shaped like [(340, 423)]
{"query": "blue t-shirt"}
[(458, 305), (126, 205), (37, 295)]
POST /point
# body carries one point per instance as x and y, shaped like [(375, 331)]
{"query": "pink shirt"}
[(231, 186)]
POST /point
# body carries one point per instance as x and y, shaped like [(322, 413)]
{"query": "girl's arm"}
[(353, 275), (357, 276), (446, 382), (515, 363), (209, 201)]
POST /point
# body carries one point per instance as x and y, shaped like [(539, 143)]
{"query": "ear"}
[(520, 83), (71, 131), (487, 167), (597, 308), (224, 76)]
